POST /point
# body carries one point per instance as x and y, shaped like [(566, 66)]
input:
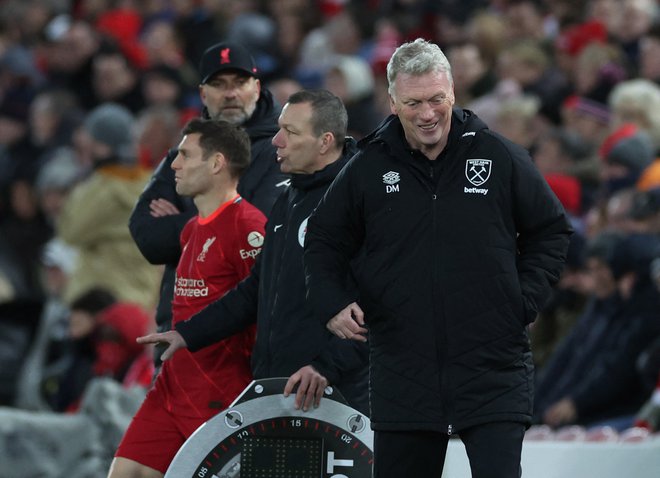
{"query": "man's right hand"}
[(172, 338), (349, 323)]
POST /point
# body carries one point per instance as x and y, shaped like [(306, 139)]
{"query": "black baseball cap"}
[(226, 56)]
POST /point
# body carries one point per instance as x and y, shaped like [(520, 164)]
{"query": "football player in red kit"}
[(219, 246)]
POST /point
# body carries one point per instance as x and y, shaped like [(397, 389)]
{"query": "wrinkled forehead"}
[(298, 115), (428, 84)]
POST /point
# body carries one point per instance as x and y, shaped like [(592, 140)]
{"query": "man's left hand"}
[(310, 389), (561, 413)]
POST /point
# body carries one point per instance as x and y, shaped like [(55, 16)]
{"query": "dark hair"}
[(219, 136), (328, 113), (94, 300)]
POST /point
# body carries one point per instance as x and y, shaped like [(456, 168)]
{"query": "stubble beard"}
[(237, 118)]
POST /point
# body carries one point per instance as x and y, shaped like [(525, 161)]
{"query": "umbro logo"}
[(391, 180)]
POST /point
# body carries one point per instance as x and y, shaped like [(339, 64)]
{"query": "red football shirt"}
[(217, 253)]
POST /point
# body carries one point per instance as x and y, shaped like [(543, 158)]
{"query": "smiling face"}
[(298, 148), (231, 96), (423, 104), (192, 170)]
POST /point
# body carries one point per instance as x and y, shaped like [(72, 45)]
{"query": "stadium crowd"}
[(93, 93)]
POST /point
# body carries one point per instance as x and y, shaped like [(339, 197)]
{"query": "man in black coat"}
[(231, 91), (312, 148), (462, 241)]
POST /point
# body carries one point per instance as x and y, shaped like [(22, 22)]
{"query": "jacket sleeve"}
[(264, 182), (335, 232), (233, 312), (543, 233), (341, 357), (158, 237)]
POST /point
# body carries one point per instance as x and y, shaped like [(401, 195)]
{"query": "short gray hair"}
[(417, 58), (328, 113)]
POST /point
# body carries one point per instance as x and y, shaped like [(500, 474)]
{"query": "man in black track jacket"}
[(230, 91), (462, 240), (312, 147)]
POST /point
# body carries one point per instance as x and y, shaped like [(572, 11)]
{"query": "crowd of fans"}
[(94, 92)]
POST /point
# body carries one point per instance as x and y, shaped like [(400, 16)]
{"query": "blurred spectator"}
[(18, 154), (163, 85), (55, 181), (598, 68), (637, 17), (18, 67), (566, 305), (157, 131), (637, 102), (525, 20), (23, 226), (257, 32), (351, 79), (122, 23), (115, 80), (573, 38), (558, 150), (282, 88), (645, 211), (197, 26), (626, 153), (487, 31), (591, 377), (517, 119), (530, 66), (66, 55), (649, 55), (53, 117), (649, 365), (162, 44), (587, 118), (48, 356), (95, 216), (472, 75), (563, 157), (618, 211), (103, 333)]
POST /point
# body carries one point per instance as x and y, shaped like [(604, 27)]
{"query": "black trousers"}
[(493, 450)]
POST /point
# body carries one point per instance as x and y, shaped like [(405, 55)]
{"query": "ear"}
[(258, 81), (392, 105), (218, 162), (202, 93), (327, 142)]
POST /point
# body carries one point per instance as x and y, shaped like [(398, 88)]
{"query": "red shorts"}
[(155, 435)]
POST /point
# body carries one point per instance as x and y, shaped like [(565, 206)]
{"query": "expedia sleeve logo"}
[(477, 171), (256, 240)]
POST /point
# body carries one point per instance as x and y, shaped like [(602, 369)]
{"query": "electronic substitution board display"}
[(262, 435)]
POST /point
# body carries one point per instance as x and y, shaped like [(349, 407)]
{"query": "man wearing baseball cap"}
[(230, 90)]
